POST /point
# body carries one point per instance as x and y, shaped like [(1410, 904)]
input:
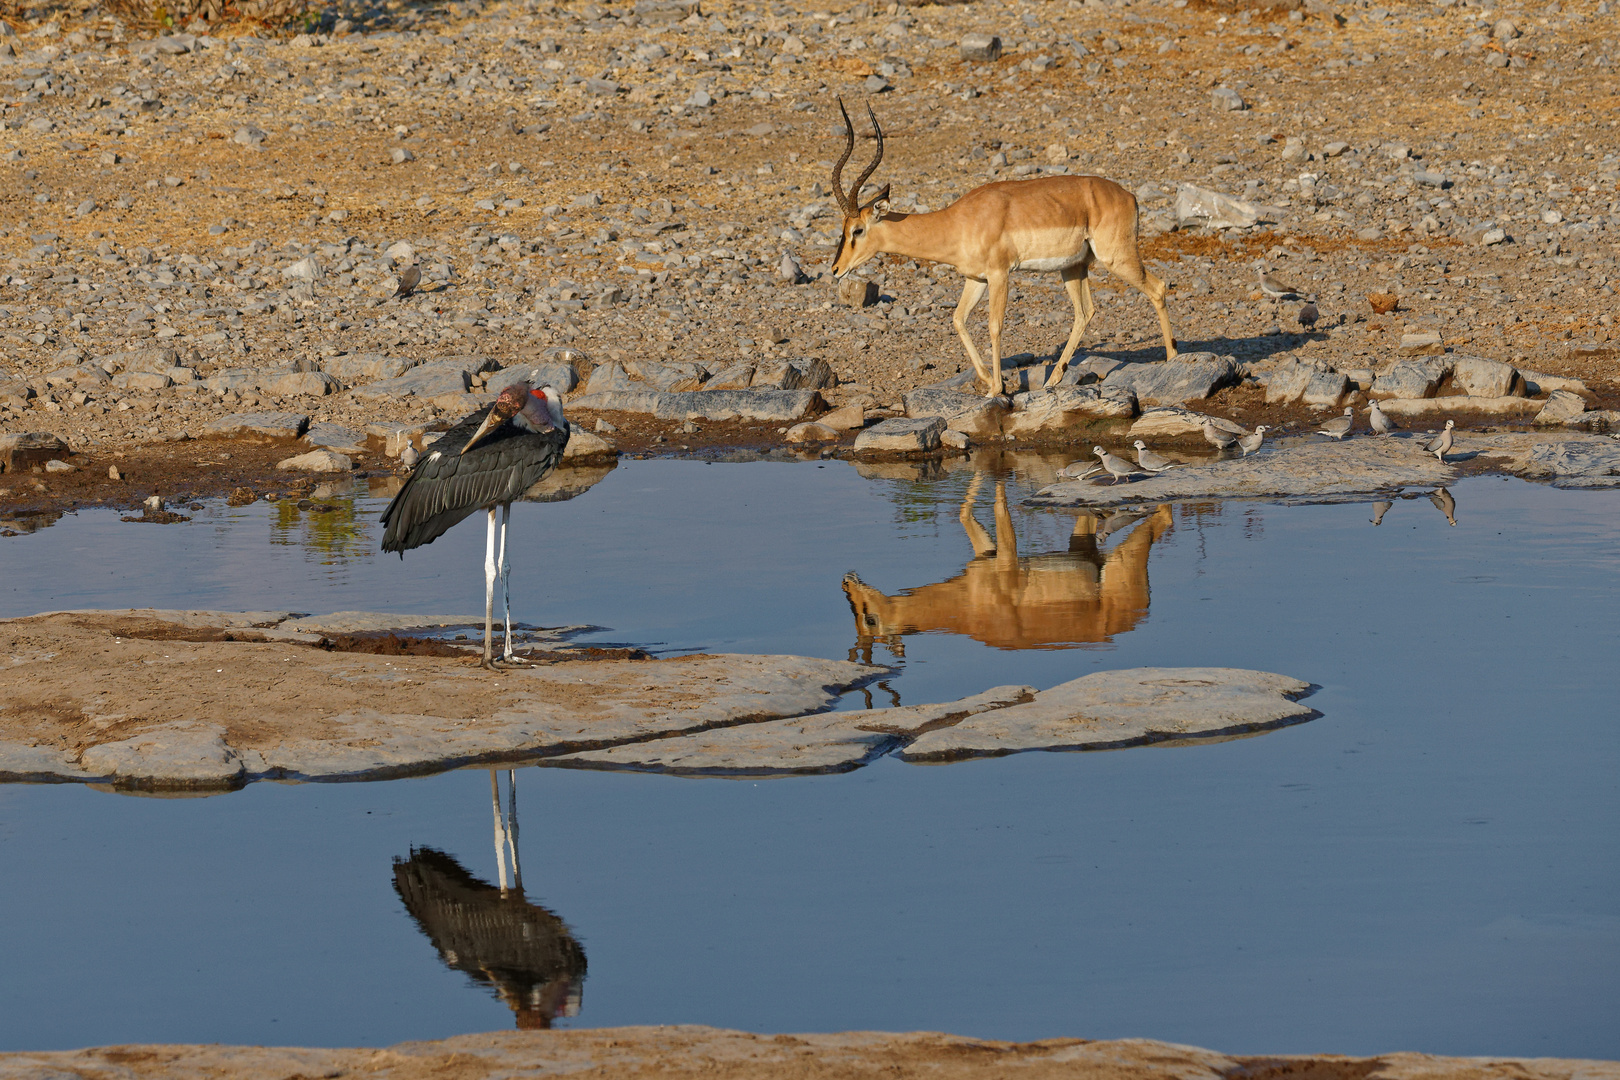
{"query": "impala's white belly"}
[(1062, 263), (1054, 251)]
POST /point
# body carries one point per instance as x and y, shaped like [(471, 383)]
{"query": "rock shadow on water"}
[(1006, 600), (493, 933)]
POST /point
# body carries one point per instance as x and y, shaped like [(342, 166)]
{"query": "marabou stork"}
[(483, 463)]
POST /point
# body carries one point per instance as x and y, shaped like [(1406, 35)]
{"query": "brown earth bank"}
[(625, 181), (714, 1053)]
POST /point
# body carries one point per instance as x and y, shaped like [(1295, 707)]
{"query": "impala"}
[(1055, 223)]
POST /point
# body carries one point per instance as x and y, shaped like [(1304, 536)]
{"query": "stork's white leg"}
[(511, 827), (489, 590), (506, 582), (500, 833)]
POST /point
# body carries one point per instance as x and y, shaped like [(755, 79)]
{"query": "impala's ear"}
[(880, 202)]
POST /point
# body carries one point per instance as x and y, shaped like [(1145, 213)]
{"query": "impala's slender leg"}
[(997, 281), (972, 289), (1124, 261), (1078, 286)]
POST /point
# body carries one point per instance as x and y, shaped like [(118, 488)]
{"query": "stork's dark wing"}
[(447, 486)]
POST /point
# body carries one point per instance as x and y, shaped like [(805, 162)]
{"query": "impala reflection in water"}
[(492, 932), (1010, 601)]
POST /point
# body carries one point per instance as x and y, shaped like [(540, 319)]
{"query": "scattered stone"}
[(303, 384), (1483, 378), (584, 446), (22, 451), (1428, 343), (1537, 383), (1211, 208), (857, 292), (327, 436), (1326, 388), (679, 375), (428, 380), (1561, 405), (249, 136), (1227, 100), (848, 417), (305, 269), (58, 465), (954, 440), (980, 48), (811, 432), (266, 425), (1411, 379), (1064, 407), (970, 414), (1171, 382), (113, 473), (797, 374), (901, 435), (736, 377), (317, 461), (612, 376)]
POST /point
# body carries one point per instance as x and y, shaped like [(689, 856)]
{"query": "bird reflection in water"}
[(492, 932), (1008, 601), (1443, 500)]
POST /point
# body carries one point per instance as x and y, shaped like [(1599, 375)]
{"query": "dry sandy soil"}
[(715, 1054), (563, 182)]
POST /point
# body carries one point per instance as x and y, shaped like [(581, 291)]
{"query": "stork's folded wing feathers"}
[(448, 486)]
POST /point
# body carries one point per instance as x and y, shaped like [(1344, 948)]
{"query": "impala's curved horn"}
[(877, 133), (838, 169)]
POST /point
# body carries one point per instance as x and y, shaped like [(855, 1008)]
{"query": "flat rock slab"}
[(1306, 471), (261, 425), (761, 405), (688, 1052), (901, 435), (1110, 710), (1462, 403), (1583, 464), (124, 696), (1171, 382), (825, 743)]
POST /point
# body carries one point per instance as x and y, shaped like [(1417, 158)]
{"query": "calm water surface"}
[(1434, 864)]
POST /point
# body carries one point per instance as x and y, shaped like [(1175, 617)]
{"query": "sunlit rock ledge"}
[(149, 700)]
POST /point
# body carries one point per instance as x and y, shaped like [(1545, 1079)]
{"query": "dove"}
[(1444, 503), (1152, 462), (1440, 444), (408, 281), (1275, 289), (1380, 508), (1079, 470), (1308, 316), (1379, 419), (1116, 466), (1250, 443), (1218, 437), (1339, 426)]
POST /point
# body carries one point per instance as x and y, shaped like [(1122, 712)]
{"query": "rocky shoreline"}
[(717, 1054)]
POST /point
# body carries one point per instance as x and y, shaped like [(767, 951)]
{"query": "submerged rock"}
[(1114, 709)]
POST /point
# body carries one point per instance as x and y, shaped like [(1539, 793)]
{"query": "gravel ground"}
[(627, 181)]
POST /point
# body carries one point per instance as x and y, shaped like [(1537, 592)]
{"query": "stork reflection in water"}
[(492, 932), (1011, 601)]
